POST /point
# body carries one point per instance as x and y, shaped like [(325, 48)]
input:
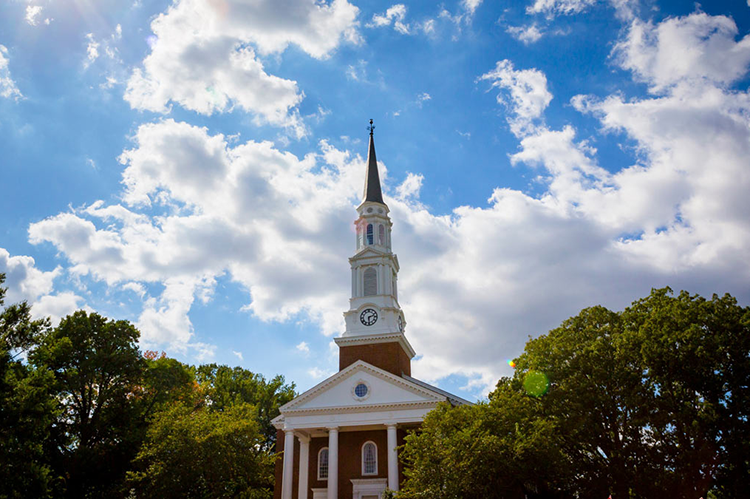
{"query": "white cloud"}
[(304, 348), (422, 98), (8, 87), (624, 9), (528, 93), (92, 50), (57, 306), (358, 71), (238, 354), (697, 48), (471, 5), (32, 13), (475, 282), (394, 15), (23, 280), (526, 34), (559, 7), (205, 55), (410, 187), (318, 374)]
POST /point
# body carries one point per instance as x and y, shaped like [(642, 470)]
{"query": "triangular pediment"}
[(383, 389), (370, 251)]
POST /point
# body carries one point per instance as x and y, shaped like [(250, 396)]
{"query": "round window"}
[(360, 390)]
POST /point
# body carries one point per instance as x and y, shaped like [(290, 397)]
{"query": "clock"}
[(368, 317), (401, 323)]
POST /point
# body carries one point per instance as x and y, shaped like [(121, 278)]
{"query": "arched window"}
[(381, 235), (371, 281), (323, 464), (370, 235), (370, 459)]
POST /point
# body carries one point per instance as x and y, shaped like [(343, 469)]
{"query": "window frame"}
[(362, 456), (320, 452)]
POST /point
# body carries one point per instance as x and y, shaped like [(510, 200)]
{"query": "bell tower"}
[(375, 323)]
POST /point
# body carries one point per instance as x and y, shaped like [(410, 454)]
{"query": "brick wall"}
[(387, 356)]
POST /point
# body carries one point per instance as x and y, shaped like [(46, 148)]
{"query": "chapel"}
[(340, 438)]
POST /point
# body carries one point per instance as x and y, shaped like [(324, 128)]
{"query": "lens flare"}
[(536, 383), (511, 363)]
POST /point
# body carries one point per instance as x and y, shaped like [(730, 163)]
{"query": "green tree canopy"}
[(200, 453), (26, 409), (648, 402)]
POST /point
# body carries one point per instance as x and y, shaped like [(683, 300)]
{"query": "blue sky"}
[(193, 166)]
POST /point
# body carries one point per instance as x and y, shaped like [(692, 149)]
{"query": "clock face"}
[(368, 317), (400, 323)]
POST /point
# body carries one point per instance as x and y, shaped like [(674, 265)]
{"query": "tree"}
[(203, 453), (224, 386), (97, 368), (26, 409), (649, 402), (491, 449)]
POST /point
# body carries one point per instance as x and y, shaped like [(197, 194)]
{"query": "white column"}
[(286, 487), (333, 463), (392, 458), (304, 464)]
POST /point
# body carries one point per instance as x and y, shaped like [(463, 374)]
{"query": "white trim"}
[(360, 365), (362, 487), (362, 456), (328, 464)]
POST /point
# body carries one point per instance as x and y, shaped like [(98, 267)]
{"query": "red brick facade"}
[(390, 357)]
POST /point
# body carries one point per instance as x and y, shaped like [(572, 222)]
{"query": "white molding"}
[(358, 366), (363, 408), (368, 486)]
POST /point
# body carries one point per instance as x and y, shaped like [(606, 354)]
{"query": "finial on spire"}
[(372, 179)]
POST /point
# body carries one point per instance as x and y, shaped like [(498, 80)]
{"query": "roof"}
[(454, 400), (372, 179)]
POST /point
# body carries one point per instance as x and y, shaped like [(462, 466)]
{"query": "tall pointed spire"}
[(372, 179)]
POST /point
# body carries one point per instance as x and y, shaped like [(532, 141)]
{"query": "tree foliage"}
[(88, 409), (192, 453), (648, 402), (26, 410)]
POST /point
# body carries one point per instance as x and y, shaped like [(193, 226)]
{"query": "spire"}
[(372, 179)]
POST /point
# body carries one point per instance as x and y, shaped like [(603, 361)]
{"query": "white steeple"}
[(373, 308)]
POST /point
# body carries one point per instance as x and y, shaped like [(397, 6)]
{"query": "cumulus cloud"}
[(25, 282), (8, 88), (474, 282), (697, 48), (206, 55), (395, 16), (529, 96), (57, 306)]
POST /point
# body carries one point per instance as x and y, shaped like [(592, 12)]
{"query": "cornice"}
[(346, 409), (360, 365), (346, 341)]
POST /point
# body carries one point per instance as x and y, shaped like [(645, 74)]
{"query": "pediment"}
[(383, 389), (369, 251)]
